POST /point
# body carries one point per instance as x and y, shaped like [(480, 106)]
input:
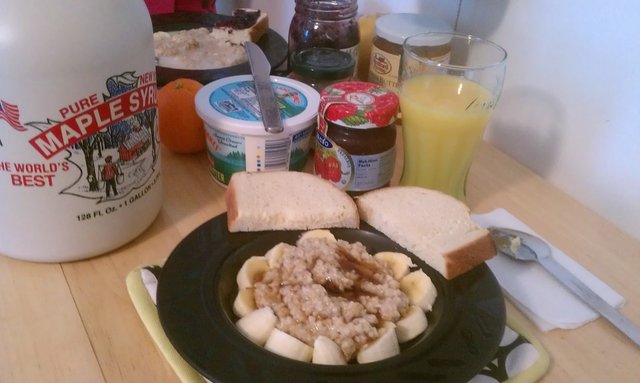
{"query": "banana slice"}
[(288, 346), (258, 325), (411, 325), (251, 271), (319, 233), (275, 254), (384, 347), (419, 288), (326, 351), (398, 263), (244, 302)]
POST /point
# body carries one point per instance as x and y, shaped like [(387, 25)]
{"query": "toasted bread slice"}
[(286, 200), (432, 225)]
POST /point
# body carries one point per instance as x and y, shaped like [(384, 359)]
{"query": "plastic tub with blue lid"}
[(236, 137)]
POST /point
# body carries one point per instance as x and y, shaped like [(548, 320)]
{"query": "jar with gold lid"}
[(391, 31)]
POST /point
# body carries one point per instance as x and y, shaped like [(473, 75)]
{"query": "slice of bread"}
[(246, 24), (432, 225), (283, 200)]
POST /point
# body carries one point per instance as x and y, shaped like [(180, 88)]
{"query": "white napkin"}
[(536, 292)]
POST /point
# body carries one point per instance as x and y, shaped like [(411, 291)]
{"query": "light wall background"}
[(570, 107)]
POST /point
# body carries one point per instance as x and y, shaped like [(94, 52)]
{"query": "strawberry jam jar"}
[(356, 136)]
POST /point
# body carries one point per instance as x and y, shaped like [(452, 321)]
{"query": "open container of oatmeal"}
[(236, 137), (272, 44)]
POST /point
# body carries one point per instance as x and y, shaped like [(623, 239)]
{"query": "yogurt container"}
[(236, 137)]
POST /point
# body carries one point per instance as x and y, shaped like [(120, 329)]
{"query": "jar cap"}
[(359, 105), (396, 27), (323, 64)]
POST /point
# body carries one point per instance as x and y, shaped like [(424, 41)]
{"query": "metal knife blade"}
[(523, 246), (260, 69), (592, 299)]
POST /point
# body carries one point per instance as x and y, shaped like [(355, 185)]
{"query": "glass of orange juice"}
[(446, 106)]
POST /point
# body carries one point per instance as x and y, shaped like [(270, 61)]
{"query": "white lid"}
[(230, 104), (396, 27)]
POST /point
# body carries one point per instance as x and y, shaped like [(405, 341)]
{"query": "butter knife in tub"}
[(261, 69)]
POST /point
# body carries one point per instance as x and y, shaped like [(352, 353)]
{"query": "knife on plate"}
[(260, 69)]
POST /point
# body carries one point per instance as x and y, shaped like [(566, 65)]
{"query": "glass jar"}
[(356, 136), (321, 67), (391, 31), (325, 23)]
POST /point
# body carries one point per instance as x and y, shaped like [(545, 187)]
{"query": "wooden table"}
[(75, 322)]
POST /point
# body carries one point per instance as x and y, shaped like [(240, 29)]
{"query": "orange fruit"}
[(181, 129)]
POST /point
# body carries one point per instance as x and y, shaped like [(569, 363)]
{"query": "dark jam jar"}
[(320, 67), (356, 136), (325, 24)]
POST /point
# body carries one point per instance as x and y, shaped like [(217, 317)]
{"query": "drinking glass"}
[(446, 105)]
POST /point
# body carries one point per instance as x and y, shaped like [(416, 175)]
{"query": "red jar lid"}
[(359, 105)]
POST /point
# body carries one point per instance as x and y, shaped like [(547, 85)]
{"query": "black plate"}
[(197, 288), (272, 44)]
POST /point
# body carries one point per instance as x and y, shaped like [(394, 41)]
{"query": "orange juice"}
[(443, 121)]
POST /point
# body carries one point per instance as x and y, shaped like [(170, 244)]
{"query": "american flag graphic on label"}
[(11, 114)]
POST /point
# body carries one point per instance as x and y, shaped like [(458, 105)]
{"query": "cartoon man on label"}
[(109, 173)]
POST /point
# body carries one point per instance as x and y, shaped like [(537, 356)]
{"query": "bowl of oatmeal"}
[(198, 287), (328, 301), (189, 50)]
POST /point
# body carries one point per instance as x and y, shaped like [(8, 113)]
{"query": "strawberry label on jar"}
[(332, 162), (356, 136), (357, 173)]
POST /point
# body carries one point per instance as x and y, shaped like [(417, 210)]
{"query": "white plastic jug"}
[(79, 146)]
